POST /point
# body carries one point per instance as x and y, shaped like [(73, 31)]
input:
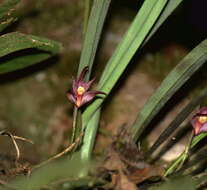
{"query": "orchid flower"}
[(80, 93), (199, 121)]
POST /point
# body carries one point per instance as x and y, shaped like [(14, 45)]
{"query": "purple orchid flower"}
[(199, 121), (80, 94)]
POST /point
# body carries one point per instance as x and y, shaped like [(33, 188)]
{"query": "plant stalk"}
[(178, 163), (75, 113)]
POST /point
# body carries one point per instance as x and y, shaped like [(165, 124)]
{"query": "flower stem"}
[(178, 163), (75, 111)]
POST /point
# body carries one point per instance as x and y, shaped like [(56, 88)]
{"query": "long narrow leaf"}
[(90, 137), (177, 77), (93, 33), (170, 7), (178, 120), (136, 34), (138, 31), (92, 37), (14, 42), (87, 10), (197, 139)]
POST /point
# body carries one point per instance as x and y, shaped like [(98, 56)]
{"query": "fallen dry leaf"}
[(126, 164), (139, 176), (122, 182), (113, 161)]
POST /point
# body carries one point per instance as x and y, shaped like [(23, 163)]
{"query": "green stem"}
[(174, 165), (186, 151), (178, 163), (75, 111)]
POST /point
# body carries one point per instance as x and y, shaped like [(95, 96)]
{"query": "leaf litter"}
[(126, 165)]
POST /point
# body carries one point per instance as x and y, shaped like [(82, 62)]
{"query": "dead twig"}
[(14, 138), (4, 133), (68, 149), (23, 139)]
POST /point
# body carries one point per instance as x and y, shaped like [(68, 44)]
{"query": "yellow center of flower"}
[(202, 119), (80, 90)]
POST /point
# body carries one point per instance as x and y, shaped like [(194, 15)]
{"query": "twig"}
[(13, 137), (6, 133), (14, 143), (23, 139), (68, 149)]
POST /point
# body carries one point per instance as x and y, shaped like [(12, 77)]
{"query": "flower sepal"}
[(80, 93)]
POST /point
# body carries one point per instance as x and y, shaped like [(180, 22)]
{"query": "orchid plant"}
[(149, 18), (198, 123)]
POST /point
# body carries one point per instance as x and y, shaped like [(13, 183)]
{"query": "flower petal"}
[(89, 96), (89, 83), (203, 128), (202, 112), (199, 121), (74, 86), (71, 97), (83, 74), (196, 126)]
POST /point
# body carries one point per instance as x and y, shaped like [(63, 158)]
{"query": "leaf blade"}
[(125, 51), (181, 116), (14, 42), (176, 78), (93, 33)]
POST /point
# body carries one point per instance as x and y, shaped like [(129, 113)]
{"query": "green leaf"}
[(138, 31), (177, 77), (181, 116), (15, 42), (93, 33), (170, 7), (197, 139), (135, 36), (90, 137), (92, 37), (87, 10), (6, 9)]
